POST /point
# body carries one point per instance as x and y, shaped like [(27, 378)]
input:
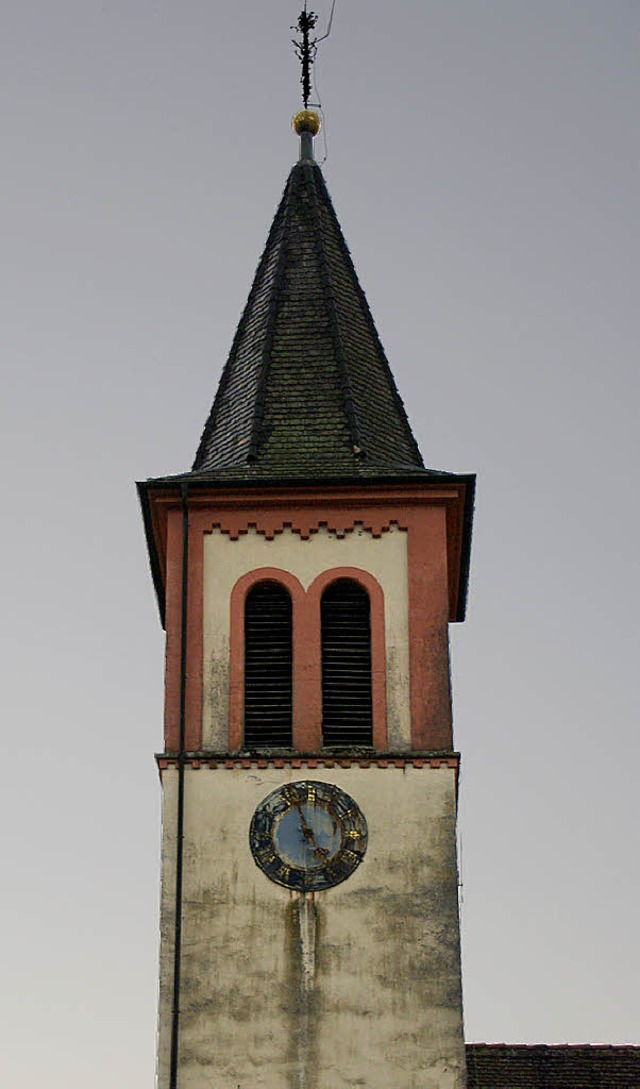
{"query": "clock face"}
[(308, 836)]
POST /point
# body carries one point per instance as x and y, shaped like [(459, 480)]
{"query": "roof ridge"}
[(345, 381), (258, 412), (548, 1047), (368, 317)]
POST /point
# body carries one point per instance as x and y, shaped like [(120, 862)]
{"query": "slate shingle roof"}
[(557, 1066), (307, 390)]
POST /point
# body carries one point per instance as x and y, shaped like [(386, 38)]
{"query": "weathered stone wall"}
[(358, 985)]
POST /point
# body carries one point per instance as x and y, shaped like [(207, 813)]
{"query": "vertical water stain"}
[(302, 1001)]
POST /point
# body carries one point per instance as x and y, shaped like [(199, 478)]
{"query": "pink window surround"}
[(307, 676)]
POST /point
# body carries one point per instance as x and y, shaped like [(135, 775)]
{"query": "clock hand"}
[(307, 831), (308, 834)]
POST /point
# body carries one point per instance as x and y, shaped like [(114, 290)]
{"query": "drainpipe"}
[(177, 945)]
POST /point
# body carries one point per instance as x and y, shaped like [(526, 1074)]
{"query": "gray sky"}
[(483, 163)]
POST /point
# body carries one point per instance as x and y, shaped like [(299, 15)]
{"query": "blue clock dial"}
[(308, 836)]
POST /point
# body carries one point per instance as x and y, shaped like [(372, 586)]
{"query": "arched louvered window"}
[(347, 709), (268, 690)]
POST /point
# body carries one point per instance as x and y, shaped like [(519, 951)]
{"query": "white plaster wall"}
[(384, 1010), (225, 561)]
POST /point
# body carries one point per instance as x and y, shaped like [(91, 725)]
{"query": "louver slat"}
[(347, 710), (268, 668)]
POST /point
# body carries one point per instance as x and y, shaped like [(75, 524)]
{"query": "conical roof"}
[(307, 390)]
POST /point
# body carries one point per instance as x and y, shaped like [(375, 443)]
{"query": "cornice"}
[(237, 761)]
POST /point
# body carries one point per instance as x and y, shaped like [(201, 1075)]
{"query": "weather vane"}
[(305, 48)]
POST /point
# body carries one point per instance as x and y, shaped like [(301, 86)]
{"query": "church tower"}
[(306, 569)]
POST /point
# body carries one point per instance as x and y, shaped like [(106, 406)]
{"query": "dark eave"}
[(190, 484)]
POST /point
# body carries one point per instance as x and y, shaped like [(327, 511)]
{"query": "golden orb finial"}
[(306, 121)]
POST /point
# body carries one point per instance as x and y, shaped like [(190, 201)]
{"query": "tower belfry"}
[(307, 568)]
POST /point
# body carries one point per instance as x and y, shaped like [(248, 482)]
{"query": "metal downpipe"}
[(177, 946)]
